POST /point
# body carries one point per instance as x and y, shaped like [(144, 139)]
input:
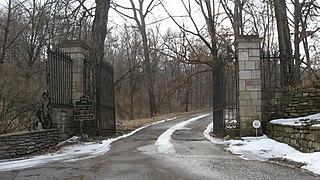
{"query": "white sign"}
[(256, 124)]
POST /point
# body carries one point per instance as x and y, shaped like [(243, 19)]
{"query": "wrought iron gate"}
[(99, 79), (105, 110), (59, 78), (225, 96), (98, 86)]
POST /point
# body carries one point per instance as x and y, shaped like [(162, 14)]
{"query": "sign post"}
[(256, 124)]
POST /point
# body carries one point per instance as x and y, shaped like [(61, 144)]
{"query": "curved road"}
[(135, 157)]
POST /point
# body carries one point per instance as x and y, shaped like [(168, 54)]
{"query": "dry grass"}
[(129, 125)]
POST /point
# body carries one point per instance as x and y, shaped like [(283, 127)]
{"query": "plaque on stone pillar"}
[(84, 111)]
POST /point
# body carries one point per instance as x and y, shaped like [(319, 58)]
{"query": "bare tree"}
[(297, 40), (309, 11), (207, 9), (99, 30), (6, 29), (193, 56), (22, 73), (284, 41), (235, 16), (141, 10), (260, 20), (26, 29), (127, 67)]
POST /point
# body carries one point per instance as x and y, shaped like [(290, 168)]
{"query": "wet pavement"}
[(136, 158)]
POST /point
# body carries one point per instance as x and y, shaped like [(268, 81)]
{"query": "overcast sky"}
[(175, 8)]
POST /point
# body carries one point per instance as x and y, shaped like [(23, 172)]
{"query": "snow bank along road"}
[(173, 149)]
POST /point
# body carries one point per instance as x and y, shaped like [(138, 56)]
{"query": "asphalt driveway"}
[(135, 157)]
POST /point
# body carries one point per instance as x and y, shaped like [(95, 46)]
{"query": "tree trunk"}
[(132, 89), (186, 100), (304, 40), (98, 36), (307, 53), (237, 19), (148, 72), (99, 30), (167, 91), (131, 104), (297, 40), (284, 42), (211, 28), (6, 33)]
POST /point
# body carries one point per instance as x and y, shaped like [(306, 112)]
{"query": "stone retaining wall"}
[(303, 138), (23, 143), (305, 102), (274, 104), (288, 103)]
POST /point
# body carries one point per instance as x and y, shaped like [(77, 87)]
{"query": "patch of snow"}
[(315, 118), (316, 125), (263, 148), (163, 143), (74, 152), (207, 135), (312, 160)]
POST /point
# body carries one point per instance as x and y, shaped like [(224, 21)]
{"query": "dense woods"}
[(162, 51)]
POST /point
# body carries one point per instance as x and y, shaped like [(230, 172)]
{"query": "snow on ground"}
[(163, 143), (250, 148), (71, 153), (314, 119), (262, 148)]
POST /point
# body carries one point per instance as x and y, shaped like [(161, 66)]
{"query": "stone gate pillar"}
[(62, 117), (249, 79), (78, 51)]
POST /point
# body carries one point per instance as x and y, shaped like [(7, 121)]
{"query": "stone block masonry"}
[(249, 81), (78, 51), (274, 104), (63, 118), (303, 138), (20, 144), (304, 102), (289, 103)]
